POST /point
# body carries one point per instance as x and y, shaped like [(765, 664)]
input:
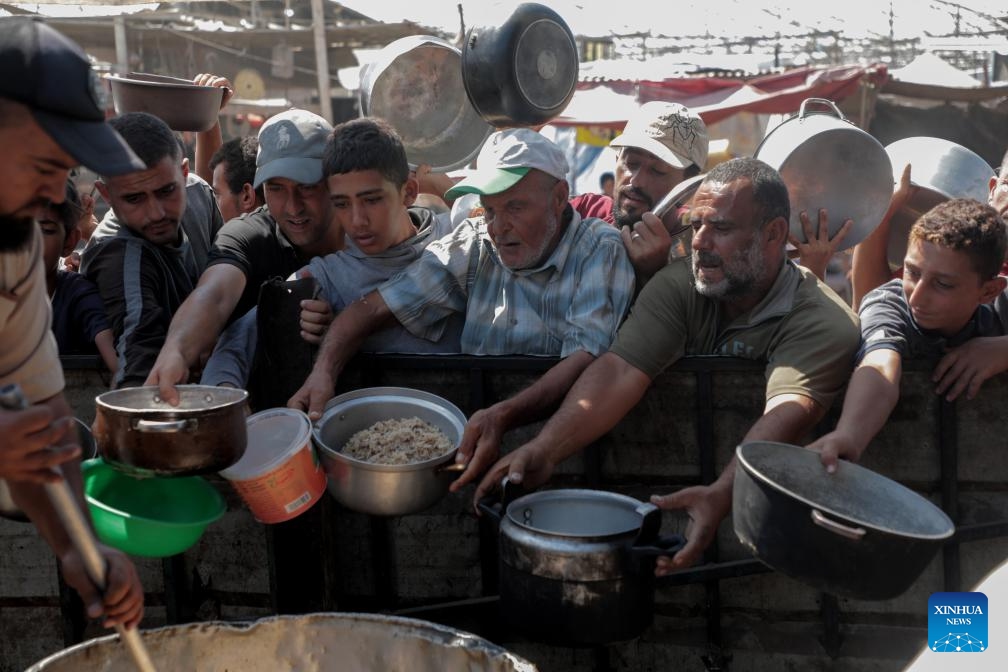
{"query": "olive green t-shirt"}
[(803, 331)]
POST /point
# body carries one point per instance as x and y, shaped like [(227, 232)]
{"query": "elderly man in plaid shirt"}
[(531, 276)]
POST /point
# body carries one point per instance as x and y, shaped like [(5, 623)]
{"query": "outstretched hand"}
[(707, 506), (525, 466), (480, 446), (834, 447), (311, 397)]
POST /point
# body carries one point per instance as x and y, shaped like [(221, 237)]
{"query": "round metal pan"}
[(853, 533), (828, 162), (940, 170), (416, 86)]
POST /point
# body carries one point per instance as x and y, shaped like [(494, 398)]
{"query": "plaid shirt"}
[(574, 301)]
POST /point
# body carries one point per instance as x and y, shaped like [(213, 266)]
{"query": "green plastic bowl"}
[(151, 517)]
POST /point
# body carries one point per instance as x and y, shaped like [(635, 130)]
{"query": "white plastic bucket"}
[(279, 476)]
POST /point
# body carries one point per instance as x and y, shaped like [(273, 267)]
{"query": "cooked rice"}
[(399, 441)]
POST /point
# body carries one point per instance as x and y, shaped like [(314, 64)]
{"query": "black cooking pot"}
[(522, 72), (577, 566), (852, 533), (137, 431)]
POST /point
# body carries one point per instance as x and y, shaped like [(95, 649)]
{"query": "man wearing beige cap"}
[(531, 276), (295, 225), (661, 145)]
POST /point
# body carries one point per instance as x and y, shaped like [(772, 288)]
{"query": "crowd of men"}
[(185, 259)]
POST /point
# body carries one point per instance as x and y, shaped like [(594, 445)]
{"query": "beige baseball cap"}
[(670, 131)]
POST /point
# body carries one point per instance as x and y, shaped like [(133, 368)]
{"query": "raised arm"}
[(208, 142), (870, 263), (871, 396), (346, 333), (195, 327)]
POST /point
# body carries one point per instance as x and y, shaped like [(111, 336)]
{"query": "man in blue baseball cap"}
[(51, 120)]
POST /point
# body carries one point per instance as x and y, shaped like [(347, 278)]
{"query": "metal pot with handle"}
[(828, 162), (577, 566), (138, 431), (415, 84), (523, 70), (940, 170), (853, 533)]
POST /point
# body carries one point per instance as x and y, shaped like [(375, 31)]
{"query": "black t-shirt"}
[(254, 244), (886, 322)]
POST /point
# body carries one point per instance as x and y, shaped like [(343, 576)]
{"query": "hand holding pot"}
[(525, 466), (207, 79), (836, 446), (480, 445), (311, 397), (707, 506), (123, 600), (818, 248), (169, 370), (647, 244)]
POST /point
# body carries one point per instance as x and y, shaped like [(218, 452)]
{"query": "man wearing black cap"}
[(51, 119)]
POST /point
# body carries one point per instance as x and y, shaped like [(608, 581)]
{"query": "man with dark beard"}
[(739, 297), (147, 255), (661, 145), (50, 121)]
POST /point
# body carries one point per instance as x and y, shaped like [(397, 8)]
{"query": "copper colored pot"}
[(137, 431)]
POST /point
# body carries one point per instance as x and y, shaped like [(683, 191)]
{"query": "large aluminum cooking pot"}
[(8, 509), (415, 84), (828, 162), (940, 170), (852, 533), (359, 642), (577, 566), (386, 489), (138, 431), (521, 71)]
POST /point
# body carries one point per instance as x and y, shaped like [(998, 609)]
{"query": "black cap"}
[(50, 74)]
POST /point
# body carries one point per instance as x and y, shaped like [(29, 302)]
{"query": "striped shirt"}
[(574, 301)]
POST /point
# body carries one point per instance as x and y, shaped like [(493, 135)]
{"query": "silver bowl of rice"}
[(386, 449)]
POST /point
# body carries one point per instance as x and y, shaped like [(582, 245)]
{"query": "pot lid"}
[(274, 435), (579, 513), (853, 494)]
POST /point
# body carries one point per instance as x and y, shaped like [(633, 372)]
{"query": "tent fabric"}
[(974, 126), (610, 105), (930, 69)]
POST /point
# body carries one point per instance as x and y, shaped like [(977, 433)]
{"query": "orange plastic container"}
[(279, 476)]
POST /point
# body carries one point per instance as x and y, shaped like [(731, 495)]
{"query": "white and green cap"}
[(507, 156)]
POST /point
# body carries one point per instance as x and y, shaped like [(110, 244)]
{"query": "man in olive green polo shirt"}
[(739, 297)]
